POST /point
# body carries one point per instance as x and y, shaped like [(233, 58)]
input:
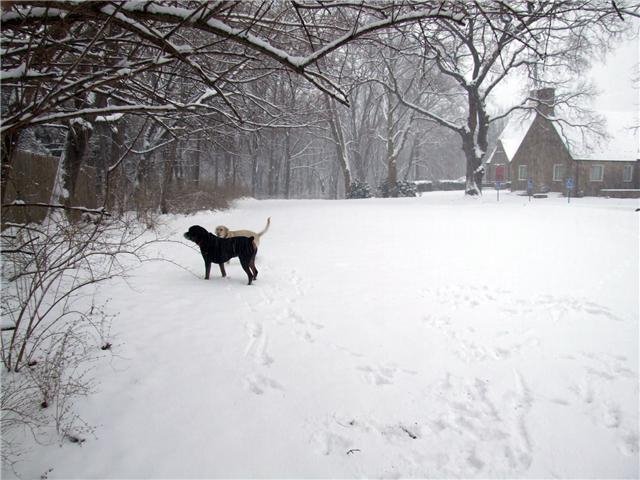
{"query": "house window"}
[(558, 172), (627, 173), (523, 173), (596, 173)]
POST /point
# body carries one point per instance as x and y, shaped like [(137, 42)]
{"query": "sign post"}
[(570, 185), (530, 188), (499, 178)]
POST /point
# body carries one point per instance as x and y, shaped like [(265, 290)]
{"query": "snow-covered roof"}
[(513, 133), (622, 142)]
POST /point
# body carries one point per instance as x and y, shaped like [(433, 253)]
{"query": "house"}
[(533, 150)]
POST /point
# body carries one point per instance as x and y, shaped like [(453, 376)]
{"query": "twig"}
[(97, 211), (409, 432)]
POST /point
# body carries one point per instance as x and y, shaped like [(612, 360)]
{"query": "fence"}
[(32, 179)]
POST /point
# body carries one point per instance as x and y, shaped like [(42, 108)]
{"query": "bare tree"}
[(67, 60), (497, 40)]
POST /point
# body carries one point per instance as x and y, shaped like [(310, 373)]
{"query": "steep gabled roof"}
[(513, 133), (622, 142)]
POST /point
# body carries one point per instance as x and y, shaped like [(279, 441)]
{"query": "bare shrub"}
[(52, 327), (190, 198)]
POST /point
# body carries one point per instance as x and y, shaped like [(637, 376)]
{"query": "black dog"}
[(220, 250)]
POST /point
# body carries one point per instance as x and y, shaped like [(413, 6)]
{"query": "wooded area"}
[(280, 99)]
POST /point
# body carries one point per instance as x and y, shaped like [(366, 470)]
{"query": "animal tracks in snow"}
[(592, 393), (469, 345), (259, 384), (592, 378), (463, 310), (466, 425), (257, 345), (382, 374), (256, 349), (457, 297), (468, 428), (304, 329), (264, 308)]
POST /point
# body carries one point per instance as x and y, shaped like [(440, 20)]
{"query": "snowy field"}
[(438, 337)]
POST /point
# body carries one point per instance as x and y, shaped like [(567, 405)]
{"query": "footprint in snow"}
[(628, 444), (329, 443), (302, 327), (378, 375), (259, 384), (257, 345)]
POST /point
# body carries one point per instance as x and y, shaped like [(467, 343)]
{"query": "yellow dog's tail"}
[(265, 228)]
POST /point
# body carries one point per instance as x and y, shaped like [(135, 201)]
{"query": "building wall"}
[(612, 176), (540, 150), (499, 158)]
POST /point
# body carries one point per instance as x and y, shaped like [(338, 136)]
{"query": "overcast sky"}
[(615, 78)]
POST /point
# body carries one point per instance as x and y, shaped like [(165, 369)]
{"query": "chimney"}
[(543, 100)]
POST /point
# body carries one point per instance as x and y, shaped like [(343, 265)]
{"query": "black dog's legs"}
[(252, 266), (207, 269), (246, 267), (222, 270)]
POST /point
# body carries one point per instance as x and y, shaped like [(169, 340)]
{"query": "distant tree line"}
[(278, 99)]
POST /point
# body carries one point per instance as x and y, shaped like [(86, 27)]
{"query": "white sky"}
[(614, 78)]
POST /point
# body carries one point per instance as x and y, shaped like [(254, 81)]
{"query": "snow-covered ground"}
[(439, 336)]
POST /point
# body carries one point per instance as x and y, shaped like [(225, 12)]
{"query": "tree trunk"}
[(167, 175), (357, 158), (252, 143), (76, 151), (474, 144), (113, 181), (287, 164), (216, 170), (341, 146), (392, 166), (473, 162), (273, 175), (413, 154), (196, 166), (9, 145)]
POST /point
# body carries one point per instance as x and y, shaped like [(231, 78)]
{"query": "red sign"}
[(500, 173)]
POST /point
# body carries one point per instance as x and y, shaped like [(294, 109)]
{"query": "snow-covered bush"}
[(459, 184), (401, 188), (359, 189)]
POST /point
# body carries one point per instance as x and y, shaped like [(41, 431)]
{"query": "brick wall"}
[(540, 150)]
